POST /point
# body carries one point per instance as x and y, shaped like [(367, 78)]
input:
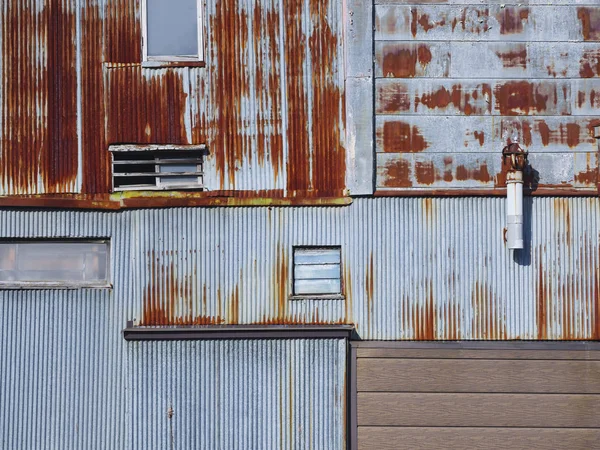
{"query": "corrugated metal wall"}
[(270, 103), (412, 268), (257, 394), (457, 82)]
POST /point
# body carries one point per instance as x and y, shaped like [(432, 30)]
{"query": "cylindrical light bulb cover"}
[(514, 210)]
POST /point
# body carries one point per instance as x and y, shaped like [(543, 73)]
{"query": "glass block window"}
[(47, 263), (317, 271)]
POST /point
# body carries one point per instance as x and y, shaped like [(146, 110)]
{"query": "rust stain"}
[(480, 136), (133, 113), (486, 320), (596, 303), (512, 19), (448, 169), (124, 32), (392, 99), (428, 209), (233, 314), (96, 160), (588, 176), (542, 320), (170, 299), (425, 172), (544, 131), (369, 286), (480, 173), (590, 23), (425, 321), (423, 21), (329, 169), (566, 134), (516, 57), (581, 98), (456, 96), (399, 137), (397, 174), (38, 140), (573, 131), (589, 64), (522, 97), (347, 290), (401, 60)]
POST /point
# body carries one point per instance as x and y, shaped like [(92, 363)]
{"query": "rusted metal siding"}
[(270, 103), (456, 83), (412, 268)]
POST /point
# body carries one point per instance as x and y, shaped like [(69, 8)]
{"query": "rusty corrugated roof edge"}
[(117, 202)]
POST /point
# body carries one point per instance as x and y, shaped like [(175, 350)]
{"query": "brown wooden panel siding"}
[(455, 375), (394, 438), (478, 410)]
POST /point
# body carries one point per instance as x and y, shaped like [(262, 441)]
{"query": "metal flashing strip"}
[(480, 345), (140, 333)]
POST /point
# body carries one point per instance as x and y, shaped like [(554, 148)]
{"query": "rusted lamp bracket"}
[(517, 156)]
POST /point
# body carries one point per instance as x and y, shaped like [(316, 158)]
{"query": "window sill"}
[(52, 285), (163, 64), (316, 297)]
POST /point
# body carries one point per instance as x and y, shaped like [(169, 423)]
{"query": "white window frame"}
[(321, 296), (152, 61), (63, 284)]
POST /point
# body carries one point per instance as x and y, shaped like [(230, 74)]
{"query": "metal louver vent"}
[(157, 167)]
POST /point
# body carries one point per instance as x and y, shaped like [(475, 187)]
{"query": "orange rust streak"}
[(511, 19), (399, 137), (298, 163), (401, 60), (329, 164), (149, 110), (590, 23), (425, 172), (96, 160), (542, 323), (516, 57), (369, 285), (397, 174)]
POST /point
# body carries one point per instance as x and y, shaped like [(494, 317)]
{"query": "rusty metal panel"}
[(494, 22), (456, 82), (240, 394), (270, 103)]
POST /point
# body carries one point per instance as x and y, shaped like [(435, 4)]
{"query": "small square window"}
[(172, 31), (317, 271), (52, 263)]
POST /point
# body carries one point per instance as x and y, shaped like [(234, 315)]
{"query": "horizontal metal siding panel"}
[(238, 394)]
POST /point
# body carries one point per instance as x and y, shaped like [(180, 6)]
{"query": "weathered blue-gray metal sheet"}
[(242, 394), (412, 269)]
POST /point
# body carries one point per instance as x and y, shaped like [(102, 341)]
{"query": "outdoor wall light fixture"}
[(516, 158)]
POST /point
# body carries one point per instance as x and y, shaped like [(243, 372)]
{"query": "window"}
[(317, 271), (172, 31), (52, 263), (157, 167)]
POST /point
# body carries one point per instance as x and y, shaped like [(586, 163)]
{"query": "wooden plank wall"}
[(487, 399), (456, 80)]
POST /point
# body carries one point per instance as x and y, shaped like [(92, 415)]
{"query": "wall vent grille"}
[(157, 167)]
